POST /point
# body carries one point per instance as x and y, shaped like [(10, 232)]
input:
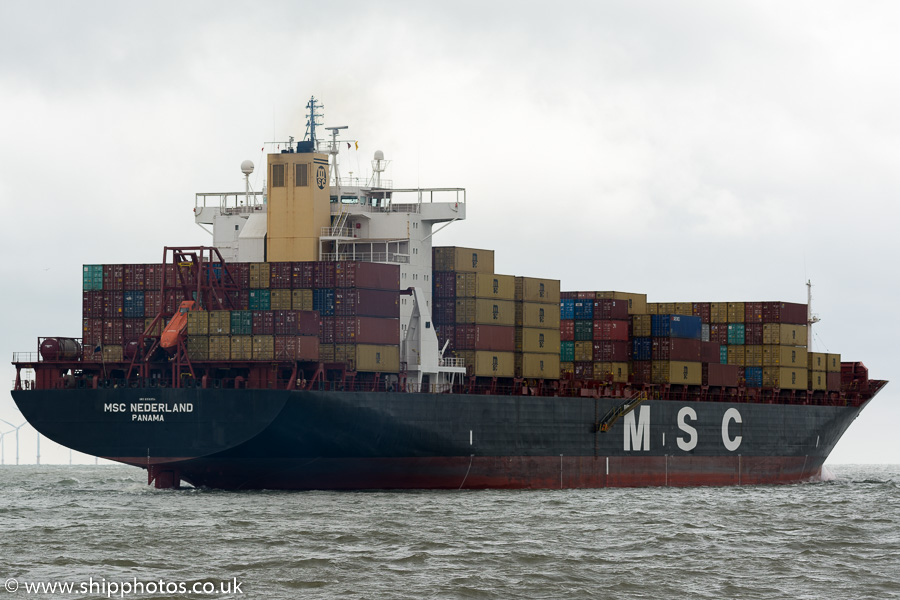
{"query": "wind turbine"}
[(16, 429)]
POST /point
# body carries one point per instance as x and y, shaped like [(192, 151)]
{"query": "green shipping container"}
[(241, 322), (92, 278), (260, 300), (567, 351)]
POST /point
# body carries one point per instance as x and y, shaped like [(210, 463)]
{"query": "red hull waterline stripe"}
[(483, 472)]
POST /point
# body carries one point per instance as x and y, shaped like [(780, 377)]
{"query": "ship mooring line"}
[(471, 458)]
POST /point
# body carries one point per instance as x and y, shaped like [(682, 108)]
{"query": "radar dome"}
[(247, 167), (379, 155)]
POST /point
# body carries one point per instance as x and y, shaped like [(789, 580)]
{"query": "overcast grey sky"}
[(694, 151)]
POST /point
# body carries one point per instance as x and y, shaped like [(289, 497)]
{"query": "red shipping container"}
[(92, 304), (113, 331), (444, 284), (285, 322), (710, 352), (783, 312), (366, 330), (302, 274), (326, 330), (239, 274), (263, 322), (722, 375), (584, 370), (833, 382), (112, 305), (585, 295), (134, 277), (323, 275), (368, 303), (718, 333), (373, 276), (296, 347), (308, 322), (611, 330), (567, 330), (753, 333), (611, 351), (568, 295), (444, 311), (676, 349), (642, 371), (753, 312), (92, 333), (446, 333), (113, 277), (609, 309), (132, 329), (486, 337), (153, 277), (701, 309), (281, 275), (151, 303)]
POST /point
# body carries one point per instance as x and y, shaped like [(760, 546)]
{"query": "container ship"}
[(321, 341)]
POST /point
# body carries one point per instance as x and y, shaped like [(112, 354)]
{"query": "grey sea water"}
[(84, 525)]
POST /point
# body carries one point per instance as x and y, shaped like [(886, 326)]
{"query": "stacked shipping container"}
[(309, 311)]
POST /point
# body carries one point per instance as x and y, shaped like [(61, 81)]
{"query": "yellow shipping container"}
[(584, 351), (785, 356), (677, 372), (641, 325), (666, 308), (111, 353), (469, 260), (345, 353), (818, 380), (566, 368), (531, 365), (485, 285), (481, 311), (485, 363), (198, 322), (753, 356), (371, 358), (263, 347), (718, 312), (784, 333), (736, 355), (219, 347), (614, 371), (531, 289), (816, 361), (219, 322), (241, 347), (834, 363), (260, 274), (280, 300), (652, 308), (198, 347), (541, 316), (786, 378), (326, 352), (735, 312), (537, 341), (301, 299), (684, 308), (157, 329)]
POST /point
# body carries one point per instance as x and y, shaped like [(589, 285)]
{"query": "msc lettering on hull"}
[(148, 409), (636, 430)]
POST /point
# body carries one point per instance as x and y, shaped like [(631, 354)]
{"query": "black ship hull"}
[(275, 439)]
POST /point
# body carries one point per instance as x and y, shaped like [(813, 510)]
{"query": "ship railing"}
[(377, 257), (230, 203), (359, 182), (429, 388), (424, 196), (26, 357), (344, 232), (452, 362)]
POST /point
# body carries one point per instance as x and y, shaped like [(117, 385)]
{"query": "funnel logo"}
[(321, 177)]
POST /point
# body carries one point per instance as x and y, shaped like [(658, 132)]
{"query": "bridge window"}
[(301, 175), (277, 175)]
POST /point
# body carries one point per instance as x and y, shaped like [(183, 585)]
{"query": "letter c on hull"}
[(734, 443)]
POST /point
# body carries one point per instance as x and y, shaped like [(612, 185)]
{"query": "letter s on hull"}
[(734, 443), (691, 442)]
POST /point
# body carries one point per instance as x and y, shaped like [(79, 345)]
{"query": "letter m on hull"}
[(637, 430)]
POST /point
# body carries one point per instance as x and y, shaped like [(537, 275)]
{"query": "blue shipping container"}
[(323, 301), (567, 311), (584, 309), (676, 326), (642, 348), (753, 376), (133, 304)]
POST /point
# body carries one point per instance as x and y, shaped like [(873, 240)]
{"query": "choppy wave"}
[(834, 538)]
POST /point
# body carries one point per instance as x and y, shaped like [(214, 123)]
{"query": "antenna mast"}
[(810, 317), (311, 120)]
